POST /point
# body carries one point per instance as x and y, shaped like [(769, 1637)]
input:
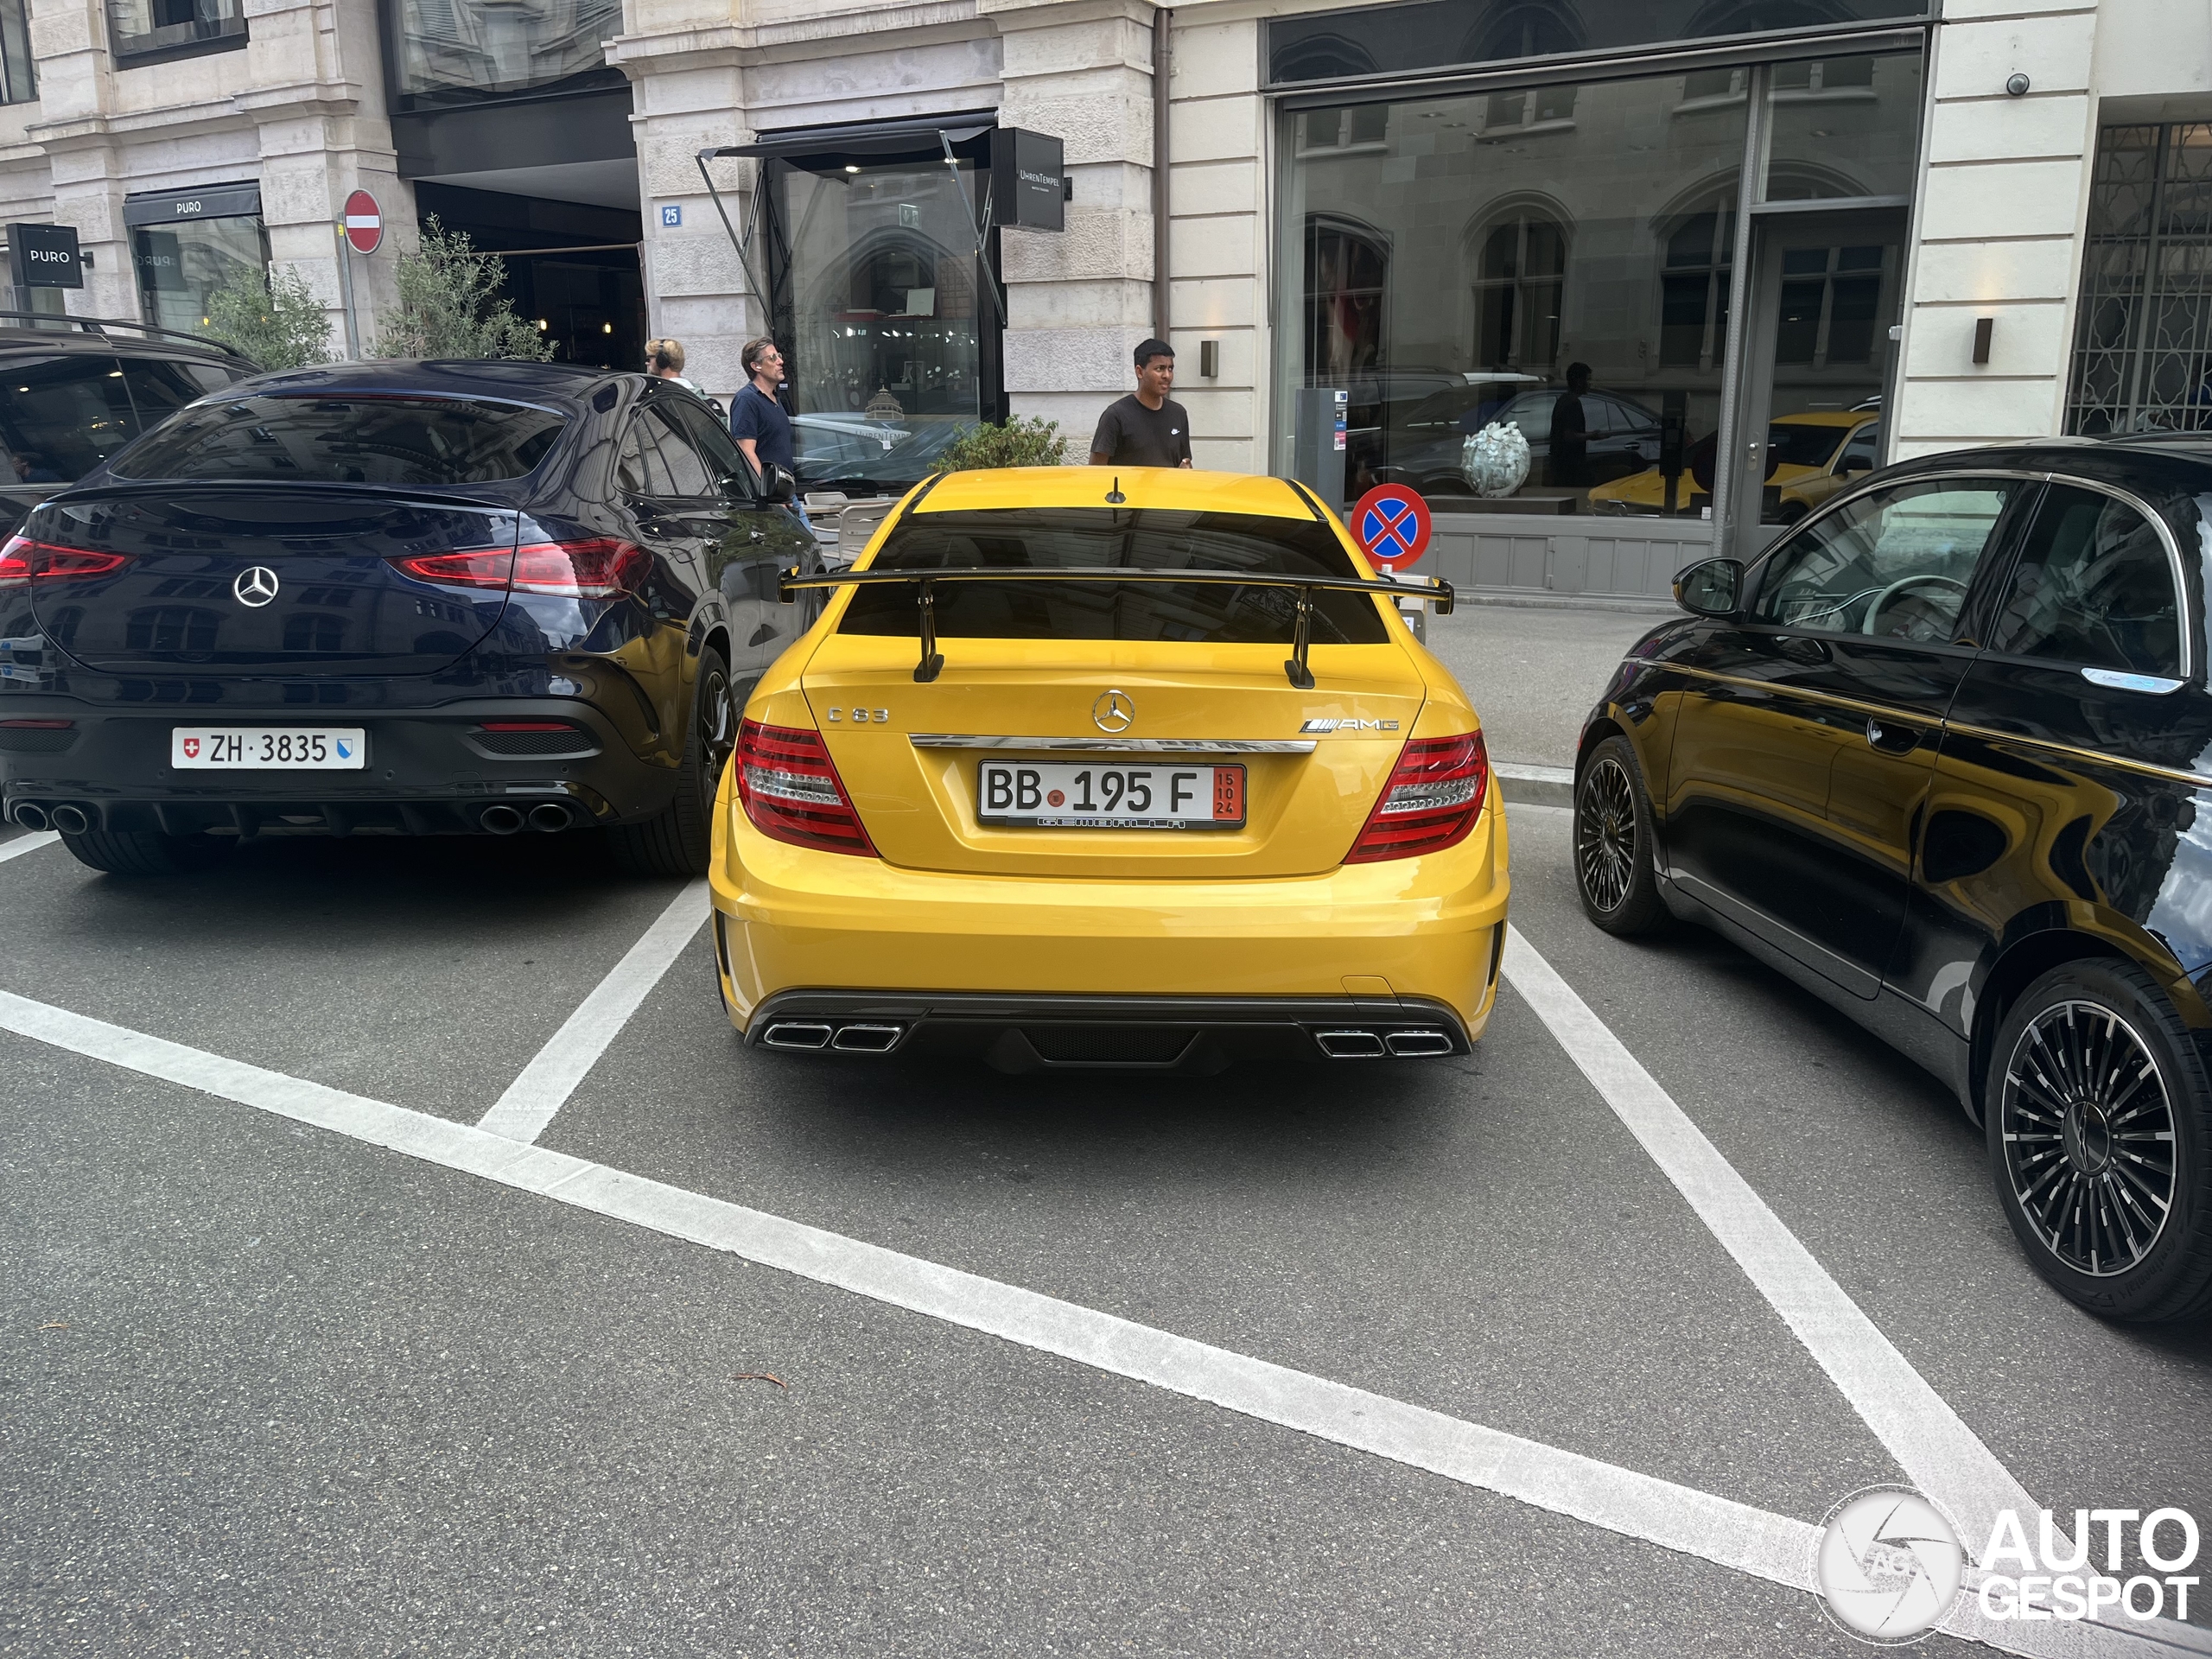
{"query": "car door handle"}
[(1890, 738)]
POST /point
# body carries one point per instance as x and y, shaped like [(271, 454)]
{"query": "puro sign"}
[(44, 256)]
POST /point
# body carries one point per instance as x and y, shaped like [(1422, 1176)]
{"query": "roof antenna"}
[(1114, 497)]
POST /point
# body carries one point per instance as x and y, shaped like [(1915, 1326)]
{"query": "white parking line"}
[(547, 1081), (1679, 1518), (1944, 1458), (17, 846)]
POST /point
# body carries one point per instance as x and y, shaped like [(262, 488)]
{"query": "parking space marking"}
[(17, 846), (1942, 1457), (532, 1099), (1678, 1518)]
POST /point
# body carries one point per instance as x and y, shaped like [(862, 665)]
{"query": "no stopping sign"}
[(1391, 525)]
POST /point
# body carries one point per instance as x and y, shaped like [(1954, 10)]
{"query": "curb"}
[(1536, 785)]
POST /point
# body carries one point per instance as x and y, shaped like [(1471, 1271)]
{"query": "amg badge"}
[(1350, 726)]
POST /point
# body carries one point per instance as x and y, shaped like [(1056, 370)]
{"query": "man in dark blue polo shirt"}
[(757, 419)]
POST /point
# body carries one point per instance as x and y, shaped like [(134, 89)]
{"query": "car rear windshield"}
[(1064, 537), (1797, 443), (361, 439)]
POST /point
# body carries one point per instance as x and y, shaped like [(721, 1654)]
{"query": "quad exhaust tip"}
[(501, 820), (857, 1038), (30, 815), (70, 820), (1375, 1045)]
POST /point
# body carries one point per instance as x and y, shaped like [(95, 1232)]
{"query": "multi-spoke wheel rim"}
[(2089, 1137), (717, 731), (1604, 834)]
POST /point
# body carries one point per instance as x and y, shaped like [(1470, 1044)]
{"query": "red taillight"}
[(1434, 797), (790, 791), (23, 560), (594, 569)]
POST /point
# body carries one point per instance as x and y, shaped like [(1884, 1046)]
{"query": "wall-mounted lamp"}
[(1983, 328), (1209, 359), (2017, 87)]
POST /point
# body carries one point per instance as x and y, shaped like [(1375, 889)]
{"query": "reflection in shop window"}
[(1830, 303), (500, 46), (18, 77), (1360, 125), (1520, 289), (141, 25), (1534, 28), (1694, 303), (182, 263), (1347, 280)]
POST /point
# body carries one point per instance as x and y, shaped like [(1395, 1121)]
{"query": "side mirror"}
[(776, 484), (1856, 465), (1711, 587)]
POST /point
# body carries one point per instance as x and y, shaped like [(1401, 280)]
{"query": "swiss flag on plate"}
[(192, 749)]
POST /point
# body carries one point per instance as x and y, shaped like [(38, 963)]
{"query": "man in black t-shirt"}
[(1146, 429)]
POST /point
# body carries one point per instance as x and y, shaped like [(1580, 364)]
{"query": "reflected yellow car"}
[(1085, 769), (1814, 456)]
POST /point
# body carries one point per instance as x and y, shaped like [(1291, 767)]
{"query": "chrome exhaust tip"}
[(30, 815), (795, 1033), (1408, 1045), (501, 820), (69, 820), (867, 1040), (1349, 1045), (550, 819)]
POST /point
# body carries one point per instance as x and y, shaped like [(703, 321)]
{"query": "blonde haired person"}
[(665, 361)]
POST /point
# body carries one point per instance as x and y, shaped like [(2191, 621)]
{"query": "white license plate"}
[(267, 748), (1070, 795)]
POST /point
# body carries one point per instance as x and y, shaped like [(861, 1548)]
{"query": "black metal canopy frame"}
[(1438, 592)]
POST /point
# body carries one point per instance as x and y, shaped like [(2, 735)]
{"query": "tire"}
[(2090, 1070), (1614, 874), (678, 840), (138, 852)]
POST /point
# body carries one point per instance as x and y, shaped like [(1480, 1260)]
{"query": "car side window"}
[(1858, 454), (1894, 564), (61, 416), (686, 473), (2093, 588), (633, 474), (723, 458), (160, 386)]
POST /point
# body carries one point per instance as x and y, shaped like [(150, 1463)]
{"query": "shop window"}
[(1842, 127), (2143, 333), (141, 29), (1533, 29), (1519, 114), (1361, 126), (1519, 292), (1830, 298), (18, 76), (181, 262), (495, 46), (1347, 282)]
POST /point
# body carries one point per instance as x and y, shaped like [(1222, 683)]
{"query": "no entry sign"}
[(364, 222), (1391, 525)]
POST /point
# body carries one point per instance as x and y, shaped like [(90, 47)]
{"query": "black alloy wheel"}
[(1614, 871), (2096, 1108), (679, 840)]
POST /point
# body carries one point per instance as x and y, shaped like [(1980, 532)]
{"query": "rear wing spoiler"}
[(1437, 591)]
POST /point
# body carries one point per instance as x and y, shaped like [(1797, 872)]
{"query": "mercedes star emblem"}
[(255, 586), (1113, 712)]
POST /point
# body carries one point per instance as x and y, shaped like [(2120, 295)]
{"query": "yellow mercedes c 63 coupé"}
[(1081, 769)]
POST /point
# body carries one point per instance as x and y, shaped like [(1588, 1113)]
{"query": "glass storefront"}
[(1528, 292), (478, 49), (188, 244), (884, 312), (137, 28)]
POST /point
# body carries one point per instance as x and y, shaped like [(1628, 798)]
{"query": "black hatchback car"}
[(75, 390), (1943, 756), (400, 599)]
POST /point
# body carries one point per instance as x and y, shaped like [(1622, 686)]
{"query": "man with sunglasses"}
[(758, 419)]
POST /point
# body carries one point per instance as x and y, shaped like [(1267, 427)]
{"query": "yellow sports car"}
[(1811, 457), (1082, 769)]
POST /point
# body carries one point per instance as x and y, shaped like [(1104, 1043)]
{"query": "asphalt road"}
[(266, 1387)]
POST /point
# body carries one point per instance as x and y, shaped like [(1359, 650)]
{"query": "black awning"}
[(925, 136)]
